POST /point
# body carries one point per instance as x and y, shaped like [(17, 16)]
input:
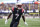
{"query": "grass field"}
[(31, 23)]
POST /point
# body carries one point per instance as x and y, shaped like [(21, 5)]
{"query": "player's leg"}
[(12, 23), (15, 24)]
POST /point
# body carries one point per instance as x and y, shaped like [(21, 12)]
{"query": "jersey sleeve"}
[(22, 12), (12, 9)]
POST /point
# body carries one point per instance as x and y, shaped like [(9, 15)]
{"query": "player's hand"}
[(25, 23), (6, 21)]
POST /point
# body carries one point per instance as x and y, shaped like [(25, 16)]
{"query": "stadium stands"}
[(29, 7)]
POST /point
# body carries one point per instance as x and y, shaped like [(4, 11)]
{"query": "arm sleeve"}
[(23, 13), (13, 11)]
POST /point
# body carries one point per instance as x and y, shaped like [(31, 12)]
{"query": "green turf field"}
[(31, 23)]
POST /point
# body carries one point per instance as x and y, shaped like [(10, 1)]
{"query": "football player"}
[(17, 12)]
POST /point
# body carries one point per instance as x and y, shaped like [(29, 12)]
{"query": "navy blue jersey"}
[(17, 14)]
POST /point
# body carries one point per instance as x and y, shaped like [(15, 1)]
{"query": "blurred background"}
[(31, 7), (31, 10)]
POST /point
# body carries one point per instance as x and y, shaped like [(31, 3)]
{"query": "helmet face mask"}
[(19, 5)]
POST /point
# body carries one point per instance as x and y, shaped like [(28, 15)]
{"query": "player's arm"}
[(23, 17), (7, 18), (9, 15)]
